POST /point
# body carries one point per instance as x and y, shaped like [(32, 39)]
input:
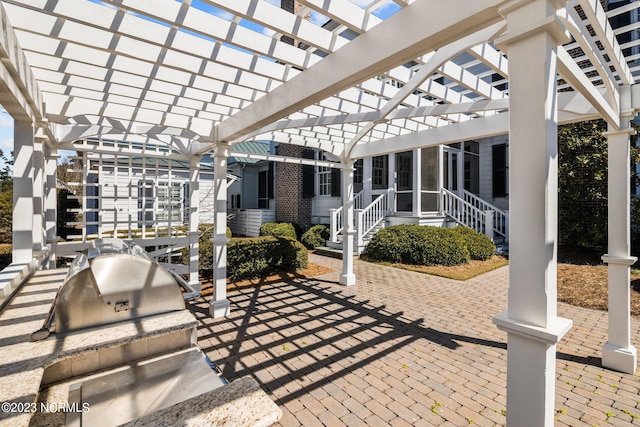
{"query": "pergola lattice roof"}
[(190, 73)]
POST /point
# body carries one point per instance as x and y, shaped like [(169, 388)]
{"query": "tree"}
[(6, 179), (582, 185), (6, 199)]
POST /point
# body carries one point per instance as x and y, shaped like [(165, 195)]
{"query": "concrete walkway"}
[(403, 348)]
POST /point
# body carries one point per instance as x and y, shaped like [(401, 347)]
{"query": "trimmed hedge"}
[(252, 257), (205, 249), (418, 245), (278, 229), (480, 247), (315, 236)]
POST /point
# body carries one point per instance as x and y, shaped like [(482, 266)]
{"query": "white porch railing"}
[(500, 217), (475, 213), (368, 218), (336, 221)]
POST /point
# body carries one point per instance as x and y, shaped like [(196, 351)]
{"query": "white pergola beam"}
[(572, 73), (341, 69), (19, 94), (600, 24)]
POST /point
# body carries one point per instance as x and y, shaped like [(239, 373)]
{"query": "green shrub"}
[(253, 257), (205, 250), (315, 236), (6, 216), (480, 247), (278, 229), (418, 245)]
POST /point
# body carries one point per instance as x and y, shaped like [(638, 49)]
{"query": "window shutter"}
[(270, 181), (335, 182), (499, 166), (308, 175)]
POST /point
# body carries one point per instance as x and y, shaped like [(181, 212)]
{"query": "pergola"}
[(354, 79)]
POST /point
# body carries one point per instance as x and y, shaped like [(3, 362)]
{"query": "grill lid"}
[(115, 281)]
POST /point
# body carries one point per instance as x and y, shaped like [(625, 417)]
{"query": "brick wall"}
[(290, 205)]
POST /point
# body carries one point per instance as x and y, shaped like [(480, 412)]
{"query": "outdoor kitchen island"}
[(44, 374)]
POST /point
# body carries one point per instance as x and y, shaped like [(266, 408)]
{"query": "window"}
[(499, 170), (358, 175), (169, 202), (324, 178), (146, 203), (380, 172)]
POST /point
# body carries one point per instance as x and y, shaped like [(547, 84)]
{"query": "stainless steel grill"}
[(116, 280)]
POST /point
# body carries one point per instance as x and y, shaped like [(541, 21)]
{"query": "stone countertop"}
[(23, 362)]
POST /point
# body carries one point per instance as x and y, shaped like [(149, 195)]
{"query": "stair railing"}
[(465, 213), (336, 221), (369, 217), (500, 217)]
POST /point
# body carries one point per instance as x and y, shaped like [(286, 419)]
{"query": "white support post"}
[(417, 182), (618, 353), (460, 171), (219, 306), (23, 133), (440, 178), (50, 202), (194, 221), (347, 278), (531, 322), (38, 195), (367, 183), (488, 224)]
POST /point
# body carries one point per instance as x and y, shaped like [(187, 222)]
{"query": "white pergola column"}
[(194, 221), (38, 195), (618, 353), (347, 278), (23, 140), (219, 306), (531, 321), (51, 202), (417, 182)]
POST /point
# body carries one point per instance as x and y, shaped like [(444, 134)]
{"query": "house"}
[(129, 196), (183, 80)]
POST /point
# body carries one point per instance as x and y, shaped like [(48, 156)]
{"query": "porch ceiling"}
[(190, 73)]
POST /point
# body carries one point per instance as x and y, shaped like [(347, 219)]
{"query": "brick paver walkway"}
[(403, 348)]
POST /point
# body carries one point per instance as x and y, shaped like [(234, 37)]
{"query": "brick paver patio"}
[(403, 348)]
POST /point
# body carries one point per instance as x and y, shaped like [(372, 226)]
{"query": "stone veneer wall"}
[(290, 205)]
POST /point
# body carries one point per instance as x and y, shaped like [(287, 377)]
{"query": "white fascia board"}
[(369, 54), (572, 73)]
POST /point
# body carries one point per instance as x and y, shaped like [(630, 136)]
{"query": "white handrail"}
[(369, 217), (500, 224), (467, 214), (336, 221)]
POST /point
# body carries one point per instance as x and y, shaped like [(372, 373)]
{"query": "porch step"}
[(330, 252)]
